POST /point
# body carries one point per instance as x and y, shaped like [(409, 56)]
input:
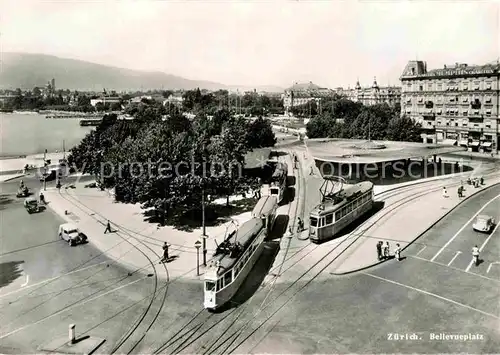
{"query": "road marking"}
[(421, 250), (27, 280), (434, 295), (51, 279), (70, 307), (458, 252), (463, 227), (454, 268), (491, 264), (482, 247)]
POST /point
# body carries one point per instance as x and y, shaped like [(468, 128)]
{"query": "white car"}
[(70, 233), (484, 223)]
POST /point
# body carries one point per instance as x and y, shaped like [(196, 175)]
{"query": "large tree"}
[(404, 129), (260, 134)]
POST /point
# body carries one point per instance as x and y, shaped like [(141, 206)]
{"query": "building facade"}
[(457, 104), (301, 94), (374, 95)]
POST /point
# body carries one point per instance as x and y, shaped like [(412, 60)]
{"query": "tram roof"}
[(264, 206), (343, 197), (353, 151), (245, 234)]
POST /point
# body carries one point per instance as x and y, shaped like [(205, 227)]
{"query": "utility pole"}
[(204, 234)]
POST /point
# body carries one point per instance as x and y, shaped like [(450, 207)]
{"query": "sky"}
[(331, 43)]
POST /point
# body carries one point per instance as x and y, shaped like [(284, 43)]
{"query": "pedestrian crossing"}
[(488, 266)]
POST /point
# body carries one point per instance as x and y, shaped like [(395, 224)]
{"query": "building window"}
[(421, 88), (440, 87), (488, 99), (488, 86), (465, 113)]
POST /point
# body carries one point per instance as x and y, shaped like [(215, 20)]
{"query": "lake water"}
[(24, 134)]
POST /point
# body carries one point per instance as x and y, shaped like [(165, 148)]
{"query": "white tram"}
[(330, 217), (237, 254), (278, 183)]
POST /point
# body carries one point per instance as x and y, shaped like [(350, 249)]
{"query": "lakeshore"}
[(28, 133)]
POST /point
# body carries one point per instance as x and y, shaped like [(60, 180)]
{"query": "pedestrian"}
[(301, 225), (108, 228), (312, 171), (475, 255), (481, 180), (386, 250), (379, 250), (459, 191), (397, 252), (165, 251), (445, 192), (42, 198)]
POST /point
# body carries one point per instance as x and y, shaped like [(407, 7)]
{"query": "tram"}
[(237, 254), (278, 183), (340, 209)]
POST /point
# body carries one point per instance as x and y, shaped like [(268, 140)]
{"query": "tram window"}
[(210, 286), (329, 218), (313, 222), (337, 215), (227, 278), (219, 284)]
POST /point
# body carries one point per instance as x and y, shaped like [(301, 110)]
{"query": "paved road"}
[(325, 314)]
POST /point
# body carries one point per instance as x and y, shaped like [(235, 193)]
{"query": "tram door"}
[(210, 300)]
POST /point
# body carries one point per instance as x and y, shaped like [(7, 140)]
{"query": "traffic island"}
[(83, 345)]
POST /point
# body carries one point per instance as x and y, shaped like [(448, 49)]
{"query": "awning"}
[(449, 141), (474, 144), (464, 143), (486, 144)]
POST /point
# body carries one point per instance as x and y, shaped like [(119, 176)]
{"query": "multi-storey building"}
[(457, 104), (374, 95), (300, 94)]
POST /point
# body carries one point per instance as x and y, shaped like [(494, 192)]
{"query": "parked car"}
[(71, 234), (23, 192), (31, 205), (484, 223)]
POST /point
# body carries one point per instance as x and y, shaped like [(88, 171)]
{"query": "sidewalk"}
[(12, 166), (419, 214), (90, 208)]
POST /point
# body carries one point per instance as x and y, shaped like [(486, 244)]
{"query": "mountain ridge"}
[(27, 70)]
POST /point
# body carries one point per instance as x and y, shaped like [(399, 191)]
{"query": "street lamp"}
[(204, 235), (197, 245)]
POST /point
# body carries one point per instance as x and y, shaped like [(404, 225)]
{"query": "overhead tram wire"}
[(135, 327), (352, 240)]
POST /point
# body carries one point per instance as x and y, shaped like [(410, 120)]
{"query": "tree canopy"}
[(342, 118), (164, 162)]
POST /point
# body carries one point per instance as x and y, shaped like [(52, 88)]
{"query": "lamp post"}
[(197, 245), (45, 170)]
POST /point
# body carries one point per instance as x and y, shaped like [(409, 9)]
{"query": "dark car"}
[(49, 176)]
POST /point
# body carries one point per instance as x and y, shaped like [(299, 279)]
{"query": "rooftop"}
[(417, 68), (355, 151)]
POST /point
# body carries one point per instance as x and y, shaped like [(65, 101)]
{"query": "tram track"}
[(134, 327), (231, 338)]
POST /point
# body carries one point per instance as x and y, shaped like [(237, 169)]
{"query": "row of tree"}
[(166, 164), (342, 118), (249, 104)]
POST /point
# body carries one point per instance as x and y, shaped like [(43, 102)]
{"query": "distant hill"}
[(26, 70)]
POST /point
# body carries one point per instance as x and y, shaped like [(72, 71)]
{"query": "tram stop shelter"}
[(352, 159)]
